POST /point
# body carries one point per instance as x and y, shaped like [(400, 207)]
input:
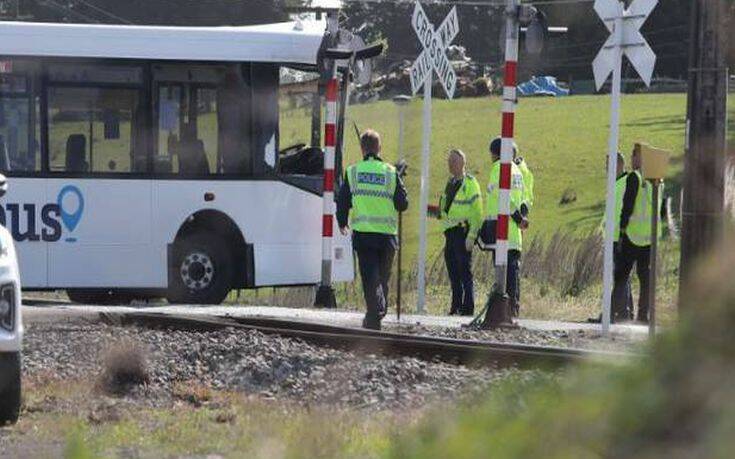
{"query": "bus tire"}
[(202, 270), (9, 387)]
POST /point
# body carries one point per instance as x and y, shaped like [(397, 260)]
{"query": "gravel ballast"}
[(582, 339), (251, 362)]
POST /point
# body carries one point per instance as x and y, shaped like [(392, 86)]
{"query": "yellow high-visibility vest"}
[(373, 185), (639, 226), (515, 239), (465, 208)]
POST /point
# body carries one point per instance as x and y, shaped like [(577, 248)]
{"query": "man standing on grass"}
[(518, 221), (460, 209), (624, 310), (635, 239), (371, 196)]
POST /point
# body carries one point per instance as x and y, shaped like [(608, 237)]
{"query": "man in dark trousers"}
[(371, 196), (619, 311), (460, 210), (624, 310), (635, 239)]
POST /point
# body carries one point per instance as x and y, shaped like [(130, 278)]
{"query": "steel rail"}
[(461, 351)]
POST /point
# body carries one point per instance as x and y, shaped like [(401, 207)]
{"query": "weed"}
[(125, 364), (567, 197), (193, 393)]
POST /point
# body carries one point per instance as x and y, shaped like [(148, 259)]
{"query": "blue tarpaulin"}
[(542, 86)]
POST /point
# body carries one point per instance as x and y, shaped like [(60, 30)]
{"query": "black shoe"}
[(622, 318), (371, 324), (642, 319), (467, 312)]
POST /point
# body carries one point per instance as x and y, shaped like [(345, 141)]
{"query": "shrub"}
[(125, 364)]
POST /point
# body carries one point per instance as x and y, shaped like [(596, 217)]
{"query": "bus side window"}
[(204, 120), (265, 141), (234, 102), (187, 130), (84, 138), (19, 123)]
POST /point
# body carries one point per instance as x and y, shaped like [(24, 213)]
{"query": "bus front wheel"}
[(203, 270), (9, 387)]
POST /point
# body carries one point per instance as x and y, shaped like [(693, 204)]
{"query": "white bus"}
[(144, 161)]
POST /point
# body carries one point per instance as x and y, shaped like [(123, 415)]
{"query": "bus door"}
[(99, 167)]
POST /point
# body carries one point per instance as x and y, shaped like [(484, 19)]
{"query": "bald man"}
[(460, 210)]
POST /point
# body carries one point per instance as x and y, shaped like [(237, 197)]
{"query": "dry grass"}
[(125, 364), (71, 419), (193, 392)]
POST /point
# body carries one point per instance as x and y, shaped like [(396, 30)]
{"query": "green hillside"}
[(564, 141)]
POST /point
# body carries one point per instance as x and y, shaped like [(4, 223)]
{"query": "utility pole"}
[(705, 160)]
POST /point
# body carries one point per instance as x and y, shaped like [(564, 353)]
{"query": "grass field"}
[(564, 141)]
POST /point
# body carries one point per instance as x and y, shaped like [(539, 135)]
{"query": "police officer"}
[(635, 239), (518, 220), (620, 311), (461, 213), (371, 195)]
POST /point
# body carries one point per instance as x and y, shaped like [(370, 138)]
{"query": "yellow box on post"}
[(654, 161)]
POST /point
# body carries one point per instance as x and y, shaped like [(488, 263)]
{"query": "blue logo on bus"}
[(66, 212), (71, 207)]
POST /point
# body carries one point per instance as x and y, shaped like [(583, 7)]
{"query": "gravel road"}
[(251, 362)]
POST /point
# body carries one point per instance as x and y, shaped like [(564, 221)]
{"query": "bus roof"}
[(286, 42)]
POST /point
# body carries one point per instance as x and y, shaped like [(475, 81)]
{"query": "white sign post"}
[(432, 59), (625, 38)]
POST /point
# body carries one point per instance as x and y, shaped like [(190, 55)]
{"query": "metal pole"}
[(424, 198), (316, 115), (607, 276), (655, 209), (401, 119), (342, 117)]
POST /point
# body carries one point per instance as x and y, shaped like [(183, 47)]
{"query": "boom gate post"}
[(498, 308), (325, 293)]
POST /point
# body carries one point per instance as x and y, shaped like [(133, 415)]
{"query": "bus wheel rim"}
[(197, 271)]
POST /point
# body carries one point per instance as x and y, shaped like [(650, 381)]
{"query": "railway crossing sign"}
[(433, 58), (624, 26), (625, 38)]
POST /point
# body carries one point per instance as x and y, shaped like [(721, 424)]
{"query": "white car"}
[(11, 326)]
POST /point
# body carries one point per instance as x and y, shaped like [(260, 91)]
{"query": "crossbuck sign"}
[(433, 57), (625, 38)]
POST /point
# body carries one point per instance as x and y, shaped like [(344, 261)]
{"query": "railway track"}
[(468, 352)]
